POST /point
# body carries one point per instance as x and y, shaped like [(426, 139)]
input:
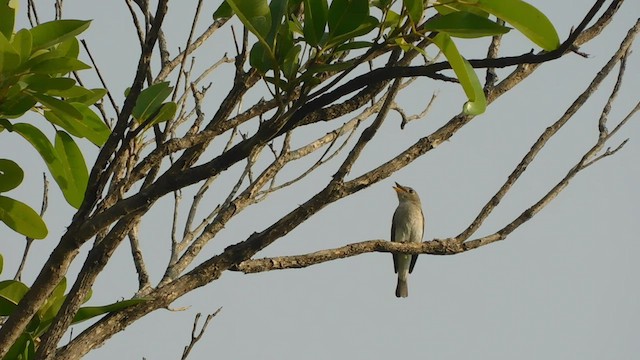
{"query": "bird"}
[(407, 225)]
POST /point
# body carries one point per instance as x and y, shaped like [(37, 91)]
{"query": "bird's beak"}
[(399, 188)]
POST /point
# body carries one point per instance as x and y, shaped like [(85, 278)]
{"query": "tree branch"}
[(58, 263), (196, 337), (236, 254)]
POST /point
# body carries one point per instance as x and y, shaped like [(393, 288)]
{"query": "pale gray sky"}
[(563, 286)]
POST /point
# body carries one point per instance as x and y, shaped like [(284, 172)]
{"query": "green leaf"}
[(363, 28), (53, 304), (7, 17), (255, 15), (69, 48), (466, 75), (88, 296), (380, 4), (1, 263), (407, 46), (96, 130), (90, 127), (445, 8), (16, 105), (54, 32), (415, 8), (260, 58), (37, 57), (315, 20), (51, 157), (11, 175), (291, 62), (295, 27), (60, 65), (167, 112), (49, 310), (75, 127), (478, 104), (150, 100), (22, 349), (284, 42), (58, 106), (277, 9), (21, 218), (9, 57), (74, 167), (78, 94), (21, 42), (92, 97), (11, 292), (465, 25), (391, 19), (527, 19), (44, 83), (88, 312), (38, 140), (223, 11), (345, 16)]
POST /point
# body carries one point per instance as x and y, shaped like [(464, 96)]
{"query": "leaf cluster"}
[(12, 291), (35, 65), (294, 47)]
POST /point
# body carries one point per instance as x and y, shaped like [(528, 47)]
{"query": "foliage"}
[(34, 76), (304, 52), (331, 30), (12, 291), (150, 108)]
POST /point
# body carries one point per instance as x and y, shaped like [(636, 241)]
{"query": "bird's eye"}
[(411, 191)]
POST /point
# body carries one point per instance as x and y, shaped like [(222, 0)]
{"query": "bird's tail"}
[(402, 290)]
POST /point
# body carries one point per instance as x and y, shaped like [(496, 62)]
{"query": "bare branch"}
[(138, 260), (171, 65), (189, 168), (492, 53), (184, 58), (435, 247), (104, 84), (136, 23), (29, 241), (57, 264), (546, 135), (406, 119), (195, 337)]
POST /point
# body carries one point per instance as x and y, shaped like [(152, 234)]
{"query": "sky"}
[(562, 286)]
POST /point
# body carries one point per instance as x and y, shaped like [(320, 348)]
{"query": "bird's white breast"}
[(411, 229)]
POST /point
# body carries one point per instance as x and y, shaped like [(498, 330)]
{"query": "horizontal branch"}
[(435, 247)]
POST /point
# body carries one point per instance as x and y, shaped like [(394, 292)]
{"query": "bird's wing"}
[(393, 226), (414, 258), (393, 238), (422, 215)]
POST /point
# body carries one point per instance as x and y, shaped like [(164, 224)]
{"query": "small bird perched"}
[(407, 226)]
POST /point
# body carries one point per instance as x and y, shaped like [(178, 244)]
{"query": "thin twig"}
[(542, 141), (136, 23), (138, 260), (29, 241), (492, 53), (195, 337), (32, 13), (196, 16), (104, 84)]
